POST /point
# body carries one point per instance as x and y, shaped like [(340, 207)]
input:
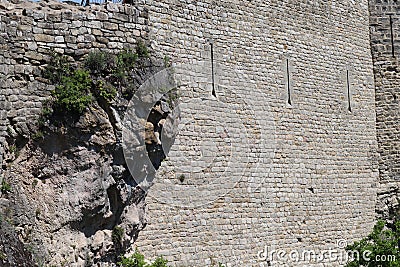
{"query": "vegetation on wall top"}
[(101, 76)]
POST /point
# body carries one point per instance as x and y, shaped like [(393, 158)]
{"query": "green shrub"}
[(88, 261), (34, 183), (137, 260), (9, 130), (57, 68), (119, 77), (117, 235), (13, 149), (159, 262), (38, 135), (172, 98), (73, 92), (167, 61), (125, 62), (382, 242), (2, 256), (46, 110), (5, 187), (141, 49), (126, 59), (104, 73), (98, 62), (106, 91)]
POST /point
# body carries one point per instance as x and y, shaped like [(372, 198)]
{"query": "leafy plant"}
[(13, 149), (167, 61), (98, 62), (117, 235), (159, 262), (125, 62), (57, 68), (126, 59), (379, 249), (141, 49), (73, 92), (102, 75), (34, 183), (9, 130), (38, 135), (46, 110), (88, 260), (106, 91), (172, 97), (137, 260), (5, 187)]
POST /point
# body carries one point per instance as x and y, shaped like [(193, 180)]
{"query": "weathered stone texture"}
[(306, 173), (385, 47), (66, 196), (313, 172), (387, 81), (30, 31)]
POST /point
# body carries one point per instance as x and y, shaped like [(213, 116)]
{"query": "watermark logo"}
[(336, 253)]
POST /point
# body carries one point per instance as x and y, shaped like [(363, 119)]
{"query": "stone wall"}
[(385, 41), (312, 171), (67, 193), (257, 170), (29, 32)]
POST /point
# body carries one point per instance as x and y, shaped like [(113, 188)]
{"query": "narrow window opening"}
[(289, 97), (212, 70), (391, 34), (348, 90)]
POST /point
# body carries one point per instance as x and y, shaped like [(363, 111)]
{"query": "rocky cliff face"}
[(13, 252), (67, 197), (72, 200)]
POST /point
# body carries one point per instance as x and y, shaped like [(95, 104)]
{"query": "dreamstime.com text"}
[(332, 254)]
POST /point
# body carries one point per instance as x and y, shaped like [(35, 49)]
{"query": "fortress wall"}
[(385, 45), (30, 31), (268, 173), (313, 167)]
